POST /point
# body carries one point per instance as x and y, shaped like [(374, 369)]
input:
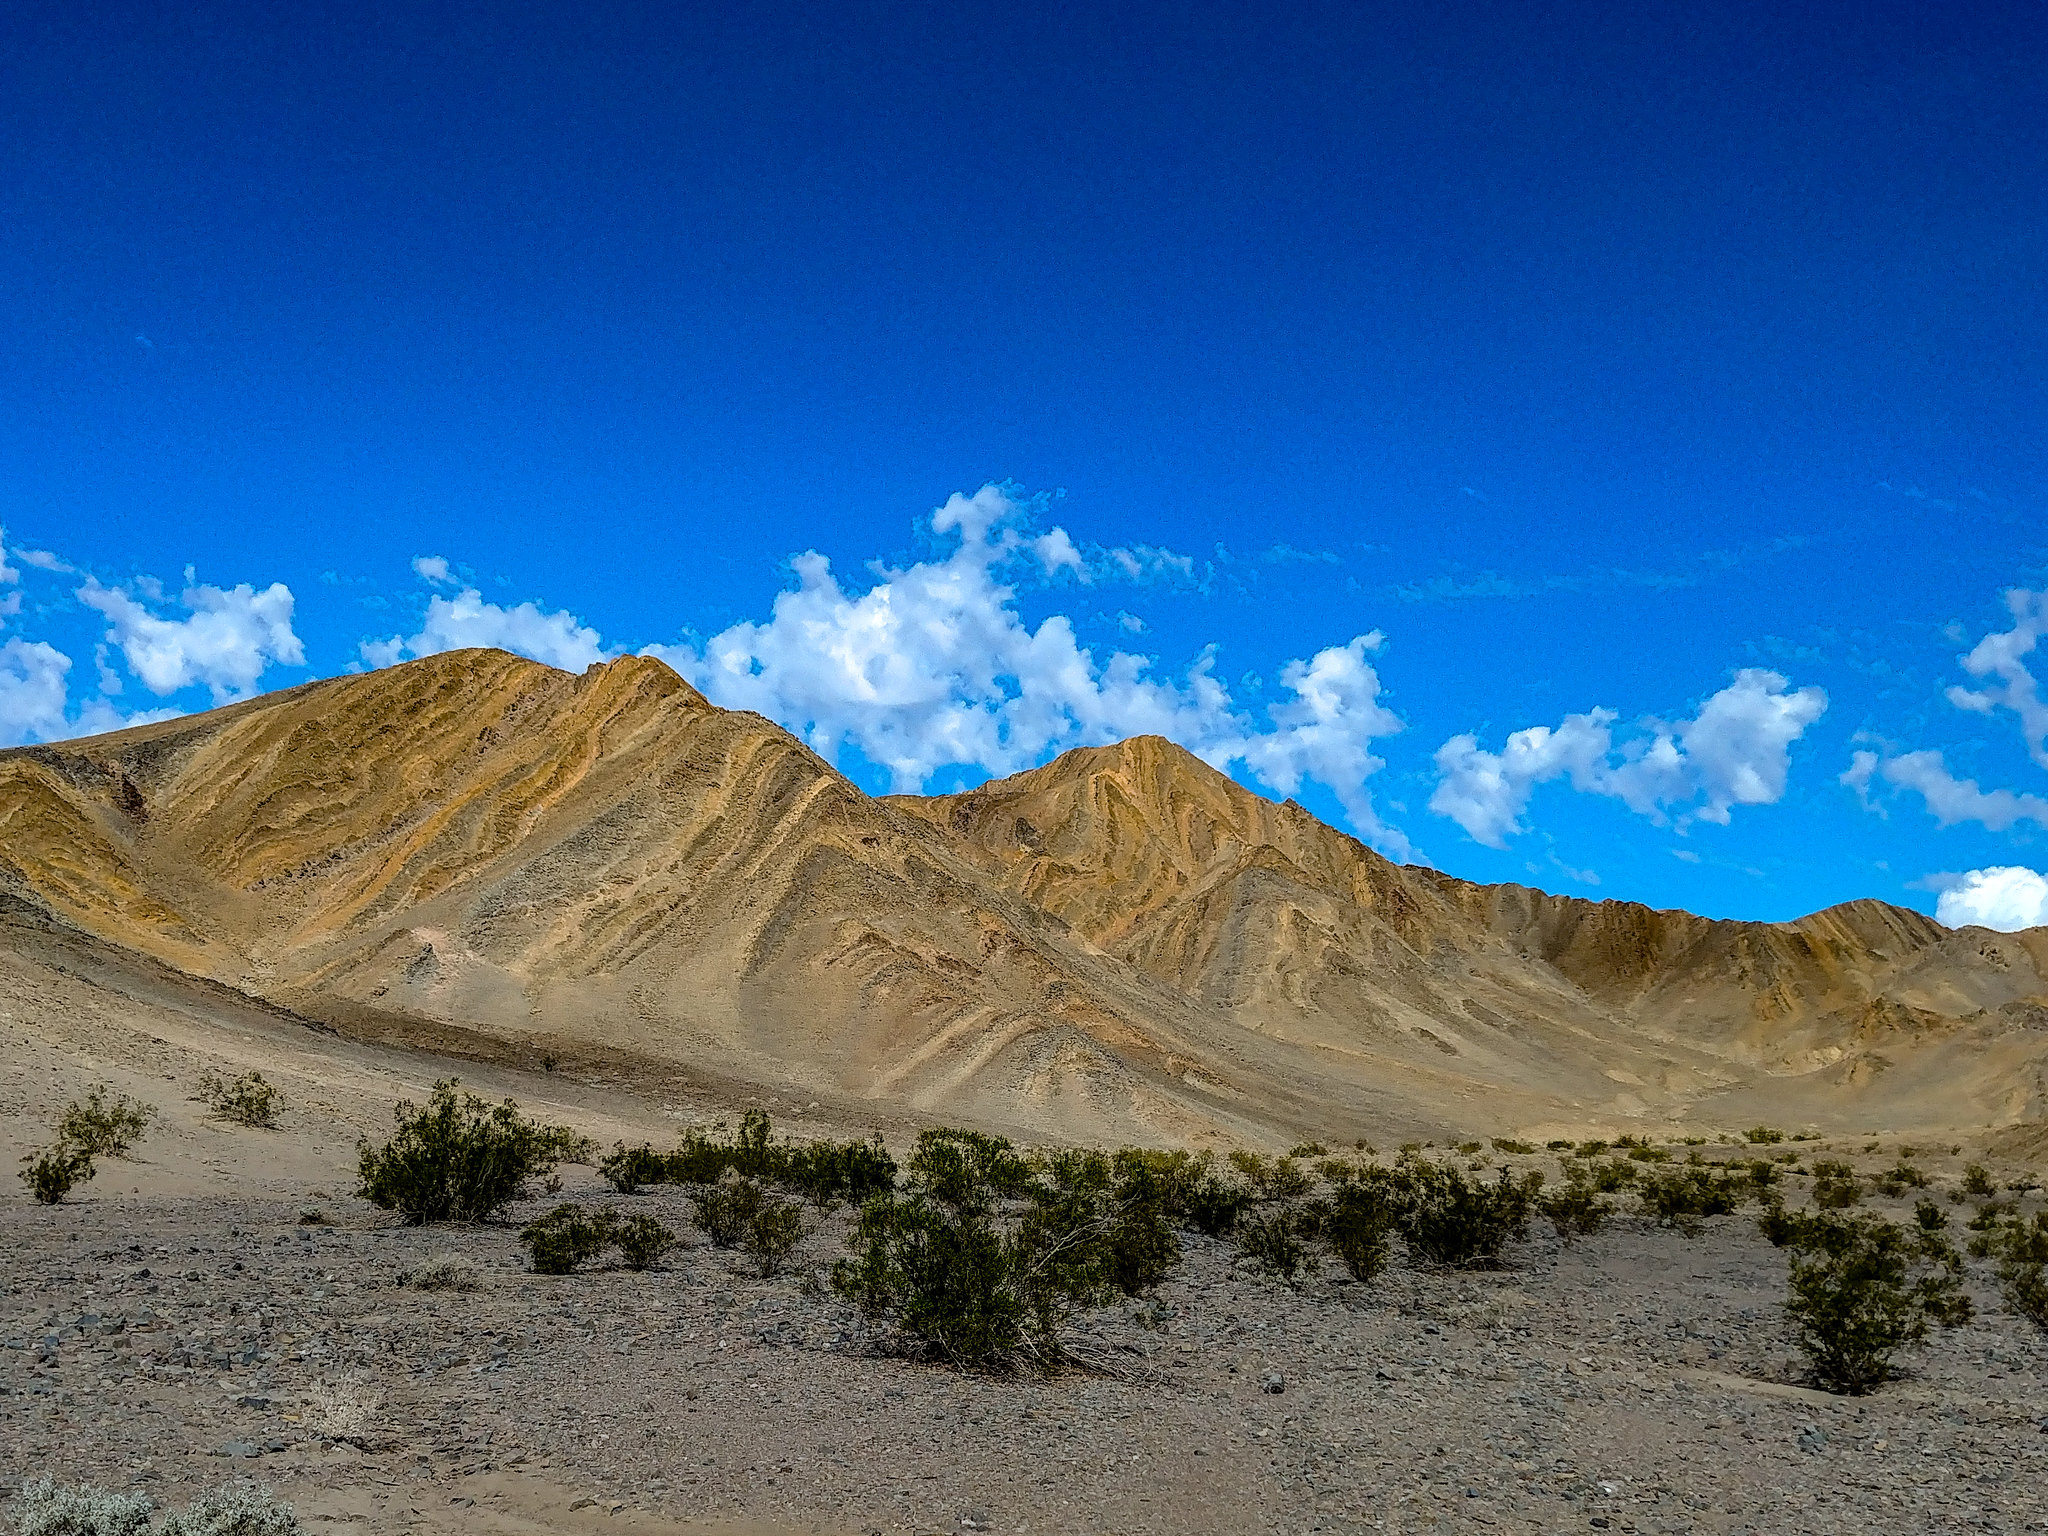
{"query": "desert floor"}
[(177, 1324)]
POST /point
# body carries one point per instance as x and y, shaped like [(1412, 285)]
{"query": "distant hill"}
[(478, 854)]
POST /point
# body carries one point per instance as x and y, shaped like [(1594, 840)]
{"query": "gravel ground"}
[(1636, 1382)]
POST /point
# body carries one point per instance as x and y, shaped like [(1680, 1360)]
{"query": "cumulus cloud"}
[(933, 667), (32, 691), (1735, 751), (1950, 799), (433, 569), (2008, 898), (2003, 658), (456, 623), (226, 640)]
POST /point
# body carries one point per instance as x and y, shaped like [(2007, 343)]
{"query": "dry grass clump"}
[(246, 1100), (444, 1272)]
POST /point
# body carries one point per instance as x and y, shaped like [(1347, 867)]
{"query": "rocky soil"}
[(1635, 1382)]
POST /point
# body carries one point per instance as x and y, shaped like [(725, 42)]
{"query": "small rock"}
[(1274, 1382)]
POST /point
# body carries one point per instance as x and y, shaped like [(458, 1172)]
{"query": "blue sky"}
[(1577, 445)]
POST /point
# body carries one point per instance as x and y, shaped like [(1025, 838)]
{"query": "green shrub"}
[(1199, 1197), (724, 1212), (1614, 1174), (982, 1255), (826, 1172), (1762, 1136), (772, 1233), (458, 1159), (247, 1100), (1929, 1217), (1517, 1148), (567, 1236), (1273, 1239), (1860, 1288), (98, 1126), (1977, 1182), (1834, 1186), (1681, 1197), (1271, 1178), (1359, 1225), (1463, 1223), (626, 1169), (641, 1240), (1648, 1155), (54, 1172), (1309, 1149), (1577, 1210), (1895, 1181), (1558, 1146), (2021, 1249)]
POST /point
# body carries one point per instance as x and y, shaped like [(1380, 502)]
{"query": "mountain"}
[(478, 855)]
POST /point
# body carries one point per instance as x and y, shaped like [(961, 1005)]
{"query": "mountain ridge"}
[(1122, 941)]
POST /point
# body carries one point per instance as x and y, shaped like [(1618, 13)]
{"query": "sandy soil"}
[(177, 1325)]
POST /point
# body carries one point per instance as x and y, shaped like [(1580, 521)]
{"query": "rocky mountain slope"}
[(479, 855)]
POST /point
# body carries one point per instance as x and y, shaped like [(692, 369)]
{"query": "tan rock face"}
[(477, 849)]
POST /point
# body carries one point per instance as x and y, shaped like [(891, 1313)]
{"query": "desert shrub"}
[(2021, 1249), (772, 1233), (1834, 1186), (458, 1159), (1648, 1155), (1463, 1223), (1558, 1146), (982, 1255), (1271, 1178), (443, 1272), (1274, 1240), (98, 1125), (54, 1172), (1509, 1144), (641, 1240), (1860, 1288), (1896, 1180), (1577, 1210), (1762, 1136), (1359, 1223), (1198, 1196), (1929, 1217), (1591, 1148), (1977, 1182), (1309, 1149), (1763, 1174), (44, 1509), (825, 1172), (1611, 1175), (567, 1236), (1681, 1197), (233, 1511), (246, 1100), (725, 1210), (626, 1168)]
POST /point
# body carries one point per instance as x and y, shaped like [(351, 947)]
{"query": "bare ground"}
[(177, 1325)]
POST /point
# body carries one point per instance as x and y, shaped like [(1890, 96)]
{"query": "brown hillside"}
[(478, 853)]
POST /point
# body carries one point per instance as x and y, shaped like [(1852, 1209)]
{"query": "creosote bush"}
[(55, 1171), (458, 1159), (246, 1100), (727, 1209), (1860, 1288), (2021, 1249), (772, 1233), (570, 1235), (1682, 1197), (1577, 1210), (823, 1172), (99, 1126), (984, 1253), (1977, 1181)]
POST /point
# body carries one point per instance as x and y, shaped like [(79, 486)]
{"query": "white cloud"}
[(2003, 656), (456, 623), (1949, 798), (1735, 751), (433, 569), (226, 642), (32, 687), (42, 560), (933, 667), (2007, 898)]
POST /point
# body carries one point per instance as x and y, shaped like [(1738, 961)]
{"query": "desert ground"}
[(178, 1323)]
